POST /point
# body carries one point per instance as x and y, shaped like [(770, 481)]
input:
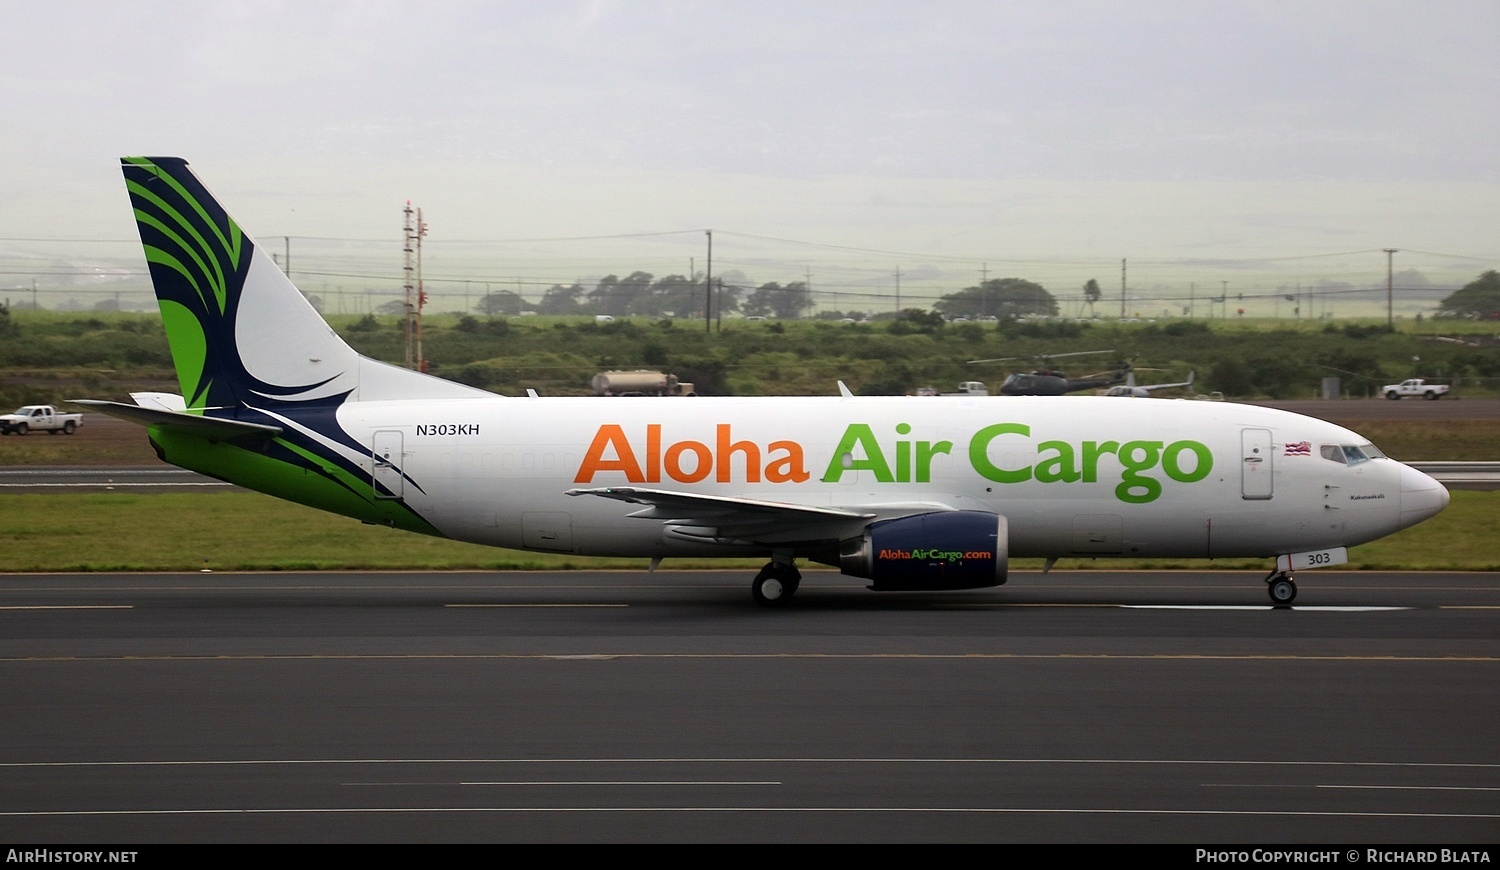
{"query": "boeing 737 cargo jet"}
[(911, 494)]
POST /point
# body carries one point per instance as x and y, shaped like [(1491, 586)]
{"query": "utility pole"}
[(1122, 288), (898, 289), (421, 292), (708, 286), (409, 271), (1390, 288), (415, 295)]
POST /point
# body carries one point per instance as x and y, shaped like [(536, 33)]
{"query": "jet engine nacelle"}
[(943, 550)]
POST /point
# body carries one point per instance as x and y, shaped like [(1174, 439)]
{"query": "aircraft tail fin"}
[(241, 333)]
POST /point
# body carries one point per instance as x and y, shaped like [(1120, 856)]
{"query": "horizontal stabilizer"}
[(207, 427)]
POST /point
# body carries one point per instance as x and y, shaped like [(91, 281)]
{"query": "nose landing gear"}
[(1282, 588)]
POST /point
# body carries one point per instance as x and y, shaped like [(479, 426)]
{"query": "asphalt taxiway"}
[(619, 706)]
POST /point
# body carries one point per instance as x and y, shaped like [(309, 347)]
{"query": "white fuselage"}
[(1074, 476)]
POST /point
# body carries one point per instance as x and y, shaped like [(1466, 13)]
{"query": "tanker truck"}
[(639, 383)]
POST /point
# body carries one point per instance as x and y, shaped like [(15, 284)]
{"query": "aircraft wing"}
[(734, 520)]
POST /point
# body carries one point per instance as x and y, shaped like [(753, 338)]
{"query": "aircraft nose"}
[(1421, 496)]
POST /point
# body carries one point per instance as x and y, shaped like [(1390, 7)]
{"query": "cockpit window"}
[(1348, 454)]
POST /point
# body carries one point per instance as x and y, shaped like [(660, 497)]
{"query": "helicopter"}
[(1049, 382), (1133, 390)]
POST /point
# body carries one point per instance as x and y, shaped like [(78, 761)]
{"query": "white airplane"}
[(1133, 390), (936, 494)]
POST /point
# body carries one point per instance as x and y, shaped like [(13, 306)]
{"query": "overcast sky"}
[(1007, 132)]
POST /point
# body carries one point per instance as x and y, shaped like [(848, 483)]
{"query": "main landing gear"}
[(1282, 588), (776, 583)]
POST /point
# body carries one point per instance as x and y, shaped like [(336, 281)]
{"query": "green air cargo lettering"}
[(1060, 462), (859, 438), (726, 460)]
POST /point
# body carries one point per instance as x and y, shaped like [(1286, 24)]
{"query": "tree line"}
[(643, 294)]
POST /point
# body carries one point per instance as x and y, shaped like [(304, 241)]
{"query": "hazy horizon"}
[(1258, 144)]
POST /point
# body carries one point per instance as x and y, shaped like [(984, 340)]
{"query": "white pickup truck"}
[(1414, 387), (39, 418)]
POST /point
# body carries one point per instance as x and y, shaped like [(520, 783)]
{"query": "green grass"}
[(248, 531)]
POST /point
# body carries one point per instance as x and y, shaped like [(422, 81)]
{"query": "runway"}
[(625, 707)]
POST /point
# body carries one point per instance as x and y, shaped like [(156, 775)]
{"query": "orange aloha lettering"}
[(691, 461), (610, 435)]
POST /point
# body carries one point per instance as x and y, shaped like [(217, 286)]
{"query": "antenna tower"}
[(416, 294)]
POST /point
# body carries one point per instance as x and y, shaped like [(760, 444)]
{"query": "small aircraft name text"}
[(447, 428)]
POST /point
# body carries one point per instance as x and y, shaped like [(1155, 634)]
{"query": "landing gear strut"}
[(776, 583), (1282, 588)]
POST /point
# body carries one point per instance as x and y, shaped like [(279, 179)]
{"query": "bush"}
[(368, 323)]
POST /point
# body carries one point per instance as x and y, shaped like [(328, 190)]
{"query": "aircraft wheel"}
[(1283, 591), (775, 585)]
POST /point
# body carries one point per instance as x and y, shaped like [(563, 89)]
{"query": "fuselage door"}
[(385, 458), (1255, 463)]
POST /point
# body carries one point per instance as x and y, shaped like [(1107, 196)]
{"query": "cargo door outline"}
[(1098, 533), (547, 530), (1256, 464), (385, 464)]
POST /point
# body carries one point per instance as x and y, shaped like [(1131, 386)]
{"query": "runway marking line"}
[(1285, 785), (568, 782), (209, 657), (1166, 762), (67, 607), (648, 782), (536, 605), (1354, 608), (1415, 787)]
